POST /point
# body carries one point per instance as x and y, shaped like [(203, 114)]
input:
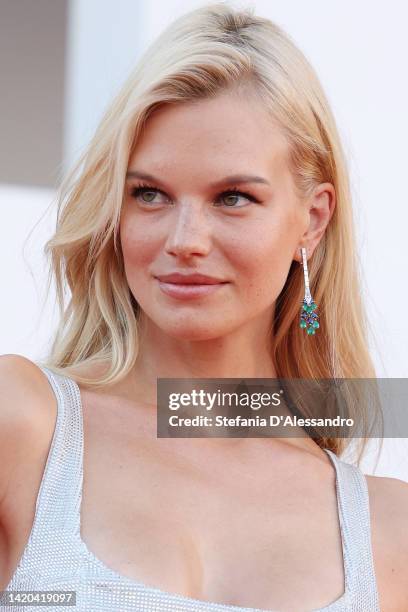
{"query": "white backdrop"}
[(359, 51)]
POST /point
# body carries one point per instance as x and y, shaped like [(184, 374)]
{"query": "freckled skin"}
[(251, 245)]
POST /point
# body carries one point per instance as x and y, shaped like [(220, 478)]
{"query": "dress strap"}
[(59, 497), (355, 524), (51, 551)]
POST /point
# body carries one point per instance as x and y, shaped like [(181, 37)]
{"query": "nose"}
[(189, 233)]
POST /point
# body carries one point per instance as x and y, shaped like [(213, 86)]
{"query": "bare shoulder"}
[(19, 368), (27, 412), (389, 502), (389, 516), (23, 388)]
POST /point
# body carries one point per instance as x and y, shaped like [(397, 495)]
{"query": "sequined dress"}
[(56, 558)]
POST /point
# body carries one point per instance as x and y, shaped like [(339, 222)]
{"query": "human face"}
[(187, 220)]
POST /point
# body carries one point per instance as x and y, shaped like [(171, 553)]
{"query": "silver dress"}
[(56, 558)]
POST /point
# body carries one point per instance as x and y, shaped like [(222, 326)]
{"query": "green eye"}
[(229, 202), (232, 197), (145, 194), (148, 196)]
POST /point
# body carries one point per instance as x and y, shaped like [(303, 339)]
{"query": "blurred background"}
[(62, 61)]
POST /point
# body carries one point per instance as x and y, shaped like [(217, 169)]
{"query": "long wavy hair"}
[(207, 51)]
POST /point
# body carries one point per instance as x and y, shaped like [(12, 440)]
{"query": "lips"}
[(189, 286), (189, 279)]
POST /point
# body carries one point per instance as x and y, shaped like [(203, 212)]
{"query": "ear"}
[(320, 208)]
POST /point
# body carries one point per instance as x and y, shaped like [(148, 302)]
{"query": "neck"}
[(239, 354)]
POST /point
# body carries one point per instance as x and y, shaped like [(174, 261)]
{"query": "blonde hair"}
[(207, 51)]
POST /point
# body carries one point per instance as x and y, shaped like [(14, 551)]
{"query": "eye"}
[(230, 198), (146, 193)]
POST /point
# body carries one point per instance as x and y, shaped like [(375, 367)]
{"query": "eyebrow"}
[(234, 178)]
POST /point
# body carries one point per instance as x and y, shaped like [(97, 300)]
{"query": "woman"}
[(219, 157)]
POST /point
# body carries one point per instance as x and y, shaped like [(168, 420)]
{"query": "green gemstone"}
[(306, 307), (303, 324), (316, 324), (313, 305), (311, 331)]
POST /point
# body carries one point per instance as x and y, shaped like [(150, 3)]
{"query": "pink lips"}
[(184, 286)]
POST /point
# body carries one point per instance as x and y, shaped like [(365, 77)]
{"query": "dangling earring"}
[(308, 316)]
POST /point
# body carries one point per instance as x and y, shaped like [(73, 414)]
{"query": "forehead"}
[(225, 134)]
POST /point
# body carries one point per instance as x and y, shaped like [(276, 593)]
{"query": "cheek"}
[(137, 245), (262, 258)]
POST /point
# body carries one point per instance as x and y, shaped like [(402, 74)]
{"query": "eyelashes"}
[(143, 188)]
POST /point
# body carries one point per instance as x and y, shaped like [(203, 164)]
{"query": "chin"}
[(192, 330)]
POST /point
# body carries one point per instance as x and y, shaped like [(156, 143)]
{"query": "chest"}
[(220, 531)]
